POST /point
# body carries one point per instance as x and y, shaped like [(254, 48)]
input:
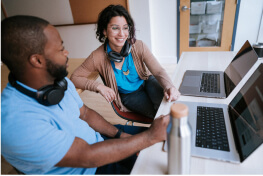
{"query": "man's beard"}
[(55, 70)]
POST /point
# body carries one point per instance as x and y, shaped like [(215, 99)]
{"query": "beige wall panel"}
[(57, 12), (87, 11), (79, 40)]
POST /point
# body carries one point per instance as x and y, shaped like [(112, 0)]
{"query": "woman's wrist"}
[(99, 87)]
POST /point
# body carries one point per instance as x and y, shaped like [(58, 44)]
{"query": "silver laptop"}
[(219, 84), (229, 132)]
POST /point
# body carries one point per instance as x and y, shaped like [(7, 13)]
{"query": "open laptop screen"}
[(246, 115), (239, 66)]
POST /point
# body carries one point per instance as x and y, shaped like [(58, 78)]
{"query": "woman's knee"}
[(153, 84)]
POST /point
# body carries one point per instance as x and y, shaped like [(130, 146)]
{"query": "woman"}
[(134, 79)]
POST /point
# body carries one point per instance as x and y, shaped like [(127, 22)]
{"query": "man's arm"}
[(98, 123), (81, 154)]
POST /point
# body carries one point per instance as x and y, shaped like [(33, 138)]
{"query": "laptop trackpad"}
[(191, 81)]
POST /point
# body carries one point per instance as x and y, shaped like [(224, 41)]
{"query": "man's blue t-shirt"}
[(34, 137)]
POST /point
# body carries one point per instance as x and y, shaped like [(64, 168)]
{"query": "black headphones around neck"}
[(47, 95), (118, 57)]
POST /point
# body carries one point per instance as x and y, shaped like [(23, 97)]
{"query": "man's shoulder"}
[(19, 110), (15, 102), (11, 97), (72, 94), (71, 86), (70, 83)]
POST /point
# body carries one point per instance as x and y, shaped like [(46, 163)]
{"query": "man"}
[(46, 128)]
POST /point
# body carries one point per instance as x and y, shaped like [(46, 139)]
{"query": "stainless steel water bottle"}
[(179, 140)]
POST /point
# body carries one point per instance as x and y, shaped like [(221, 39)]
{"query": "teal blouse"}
[(126, 83)]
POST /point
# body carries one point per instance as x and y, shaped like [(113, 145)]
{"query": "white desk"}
[(153, 160)]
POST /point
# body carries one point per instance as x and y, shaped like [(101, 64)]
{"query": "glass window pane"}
[(206, 20)]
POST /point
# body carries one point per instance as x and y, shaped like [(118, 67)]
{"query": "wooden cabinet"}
[(206, 25)]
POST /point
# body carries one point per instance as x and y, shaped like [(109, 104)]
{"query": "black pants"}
[(125, 166), (146, 100)]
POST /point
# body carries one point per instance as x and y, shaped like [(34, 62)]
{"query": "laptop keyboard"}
[(210, 83), (211, 129)]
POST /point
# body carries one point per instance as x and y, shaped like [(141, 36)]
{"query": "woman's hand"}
[(107, 93), (172, 94)]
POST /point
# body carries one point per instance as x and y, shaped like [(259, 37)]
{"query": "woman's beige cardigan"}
[(144, 61)]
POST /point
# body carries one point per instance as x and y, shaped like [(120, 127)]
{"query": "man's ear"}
[(37, 60)]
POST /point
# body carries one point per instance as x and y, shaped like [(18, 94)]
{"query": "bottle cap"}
[(179, 110)]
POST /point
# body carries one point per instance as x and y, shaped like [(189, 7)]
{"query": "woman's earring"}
[(105, 38)]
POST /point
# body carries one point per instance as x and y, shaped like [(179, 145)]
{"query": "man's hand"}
[(107, 93), (82, 154), (157, 131), (172, 94)]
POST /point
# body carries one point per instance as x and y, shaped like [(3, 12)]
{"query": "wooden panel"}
[(87, 11), (227, 30), (228, 25), (184, 26)]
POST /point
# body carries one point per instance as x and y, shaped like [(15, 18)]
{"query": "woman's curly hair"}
[(105, 17)]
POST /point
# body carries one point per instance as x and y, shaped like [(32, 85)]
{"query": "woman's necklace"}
[(128, 71)]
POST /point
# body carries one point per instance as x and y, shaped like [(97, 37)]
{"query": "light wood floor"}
[(93, 100)]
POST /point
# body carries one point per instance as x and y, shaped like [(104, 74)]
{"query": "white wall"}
[(80, 40), (155, 22), (163, 30), (260, 31), (140, 12), (156, 25), (248, 25), (163, 16)]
